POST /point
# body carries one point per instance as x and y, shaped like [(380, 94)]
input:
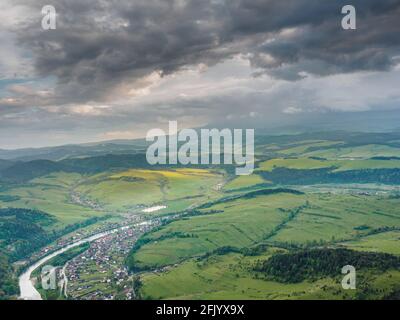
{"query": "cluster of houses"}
[(99, 273)]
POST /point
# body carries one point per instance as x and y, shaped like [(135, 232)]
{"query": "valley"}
[(199, 232)]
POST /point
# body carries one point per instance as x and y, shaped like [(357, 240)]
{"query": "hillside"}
[(325, 191)]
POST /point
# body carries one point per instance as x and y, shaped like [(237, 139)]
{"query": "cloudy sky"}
[(115, 69)]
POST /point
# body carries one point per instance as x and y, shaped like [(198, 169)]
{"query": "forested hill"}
[(8, 283), (23, 231), (25, 171), (328, 175), (318, 263)]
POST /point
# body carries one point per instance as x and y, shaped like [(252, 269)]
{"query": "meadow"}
[(136, 188), (212, 256), (239, 223), (230, 276), (222, 225)]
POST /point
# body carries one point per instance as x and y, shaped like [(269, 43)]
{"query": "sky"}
[(116, 69)]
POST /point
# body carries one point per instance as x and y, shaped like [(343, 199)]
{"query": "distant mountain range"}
[(25, 164), (74, 151)]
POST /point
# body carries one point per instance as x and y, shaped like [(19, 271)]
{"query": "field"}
[(382, 242), (359, 152), (132, 189), (338, 165), (50, 194), (334, 217), (305, 193), (193, 257), (230, 277), (246, 222), (244, 182), (239, 223), (113, 192)]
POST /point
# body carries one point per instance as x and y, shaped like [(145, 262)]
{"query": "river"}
[(26, 287)]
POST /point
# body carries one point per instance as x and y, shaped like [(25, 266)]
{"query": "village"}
[(99, 273)]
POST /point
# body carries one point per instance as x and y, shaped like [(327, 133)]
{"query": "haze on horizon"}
[(114, 70)]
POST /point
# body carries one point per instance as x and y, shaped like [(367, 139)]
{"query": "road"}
[(28, 290)]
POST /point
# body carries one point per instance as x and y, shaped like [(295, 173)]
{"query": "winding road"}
[(28, 290)]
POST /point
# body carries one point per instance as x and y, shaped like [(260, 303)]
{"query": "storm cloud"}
[(100, 44), (107, 62)]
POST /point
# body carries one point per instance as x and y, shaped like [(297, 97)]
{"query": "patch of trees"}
[(394, 295), (131, 179), (23, 231), (8, 198), (221, 251), (195, 213), (327, 175), (385, 158), (64, 257), (8, 283), (137, 286), (21, 172), (250, 195), (292, 214), (252, 187), (319, 263)]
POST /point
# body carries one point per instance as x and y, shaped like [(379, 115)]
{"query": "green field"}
[(230, 276), (177, 189), (239, 223), (304, 194), (306, 145), (359, 152), (334, 217), (246, 222), (244, 182), (339, 165), (51, 194), (114, 191), (388, 242)]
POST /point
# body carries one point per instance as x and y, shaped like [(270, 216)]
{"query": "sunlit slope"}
[(332, 217), (359, 152), (388, 242), (72, 197), (135, 188), (240, 182), (337, 165), (239, 223), (50, 194), (298, 220), (230, 276)]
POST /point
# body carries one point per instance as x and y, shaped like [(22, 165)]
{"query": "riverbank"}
[(27, 288)]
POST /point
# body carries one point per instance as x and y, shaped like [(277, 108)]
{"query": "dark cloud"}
[(101, 44), (99, 72)]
